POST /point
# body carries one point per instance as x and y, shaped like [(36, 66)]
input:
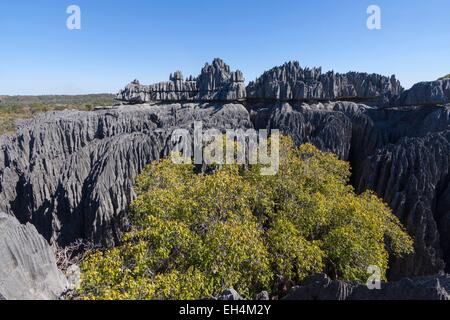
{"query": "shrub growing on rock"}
[(197, 234)]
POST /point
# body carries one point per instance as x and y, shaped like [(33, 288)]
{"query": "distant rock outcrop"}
[(321, 287), (292, 82), (216, 82), (426, 93), (28, 266), (289, 82)]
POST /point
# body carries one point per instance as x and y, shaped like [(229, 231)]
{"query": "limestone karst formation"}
[(71, 173), (28, 266), (291, 82), (216, 82), (426, 93)]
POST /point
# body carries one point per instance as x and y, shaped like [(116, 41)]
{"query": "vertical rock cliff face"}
[(28, 267), (71, 173), (402, 154), (410, 170), (318, 124)]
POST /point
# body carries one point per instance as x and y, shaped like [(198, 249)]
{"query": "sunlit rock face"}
[(216, 82), (292, 82), (28, 266), (426, 93)]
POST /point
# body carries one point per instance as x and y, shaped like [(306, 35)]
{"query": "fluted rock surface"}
[(28, 268), (291, 82), (413, 177), (71, 173), (402, 154), (323, 125), (321, 287), (426, 93), (216, 82)]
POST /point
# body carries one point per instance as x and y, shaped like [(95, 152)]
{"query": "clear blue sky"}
[(122, 40)]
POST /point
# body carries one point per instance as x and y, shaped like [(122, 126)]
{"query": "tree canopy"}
[(195, 234)]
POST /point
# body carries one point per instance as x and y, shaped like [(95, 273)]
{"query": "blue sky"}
[(123, 40)]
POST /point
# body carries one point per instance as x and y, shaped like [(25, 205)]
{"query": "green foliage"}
[(197, 234), (13, 108)]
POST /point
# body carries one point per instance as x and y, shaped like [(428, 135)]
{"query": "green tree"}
[(197, 234)]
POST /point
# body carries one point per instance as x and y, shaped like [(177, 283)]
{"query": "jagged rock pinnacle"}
[(216, 82)]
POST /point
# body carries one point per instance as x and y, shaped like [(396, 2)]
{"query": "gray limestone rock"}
[(230, 295), (402, 154), (321, 125), (262, 296), (216, 82), (73, 275), (426, 93), (71, 173), (28, 268), (292, 82), (412, 177), (321, 287)]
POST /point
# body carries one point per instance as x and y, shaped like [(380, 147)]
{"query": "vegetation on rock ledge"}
[(13, 108), (197, 234)]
